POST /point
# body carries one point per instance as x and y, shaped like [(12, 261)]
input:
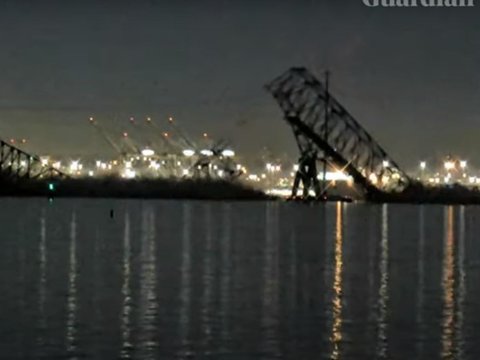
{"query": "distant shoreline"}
[(199, 189), (211, 190)]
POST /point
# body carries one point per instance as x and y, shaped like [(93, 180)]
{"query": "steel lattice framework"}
[(335, 135), (17, 164)]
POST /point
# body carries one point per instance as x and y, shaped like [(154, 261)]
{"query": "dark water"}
[(198, 280)]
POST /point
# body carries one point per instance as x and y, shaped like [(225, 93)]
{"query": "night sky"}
[(410, 76)]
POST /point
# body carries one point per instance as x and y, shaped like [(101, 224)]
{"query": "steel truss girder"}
[(303, 100), (16, 164)]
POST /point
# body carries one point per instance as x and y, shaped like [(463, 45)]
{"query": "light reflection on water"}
[(183, 280), (148, 307), (460, 313), (42, 282), (336, 336), (448, 283), (71, 326), (383, 296), (126, 293)]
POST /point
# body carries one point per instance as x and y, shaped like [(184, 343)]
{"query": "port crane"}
[(213, 161), (103, 133), (168, 145)]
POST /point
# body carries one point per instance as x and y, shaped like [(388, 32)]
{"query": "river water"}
[(252, 280)]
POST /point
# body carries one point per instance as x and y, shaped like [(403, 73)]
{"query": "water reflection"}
[(271, 284), (207, 280), (383, 296), (126, 293), (148, 282), (266, 287), (461, 285), (421, 281), (454, 286), (71, 329), (185, 282), (42, 281), (293, 256), (225, 277), (336, 332), (448, 283)]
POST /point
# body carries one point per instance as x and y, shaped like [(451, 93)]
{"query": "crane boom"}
[(106, 137), (170, 145), (130, 144), (181, 135)]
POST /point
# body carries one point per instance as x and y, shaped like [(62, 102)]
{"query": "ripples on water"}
[(195, 280)]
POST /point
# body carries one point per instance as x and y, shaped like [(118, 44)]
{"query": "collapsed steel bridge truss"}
[(324, 130), (17, 164)]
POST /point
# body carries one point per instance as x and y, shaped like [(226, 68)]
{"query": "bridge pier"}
[(307, 176)]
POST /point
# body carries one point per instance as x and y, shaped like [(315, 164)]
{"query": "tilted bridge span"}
[(325, 131)]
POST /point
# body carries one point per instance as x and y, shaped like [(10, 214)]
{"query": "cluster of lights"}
[(451, 165), (129, 174), (102, 165), (154, 165), (272, 168), (75, 166)]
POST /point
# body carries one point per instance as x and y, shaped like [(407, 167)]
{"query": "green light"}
[(51, 186)]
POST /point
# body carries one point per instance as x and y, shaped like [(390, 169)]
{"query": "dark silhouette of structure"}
[(326, 132), (16, 164)]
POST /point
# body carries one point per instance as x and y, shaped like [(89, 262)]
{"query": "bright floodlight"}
[(188, 152), (129, 174), (385, 163), (449, 165), (206, 152), (228, 153), (148, 152), (423, 165), (463, 164), (74, 165)]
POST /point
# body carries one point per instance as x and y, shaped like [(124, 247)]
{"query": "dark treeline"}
[(125, 188), (416, 193)]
